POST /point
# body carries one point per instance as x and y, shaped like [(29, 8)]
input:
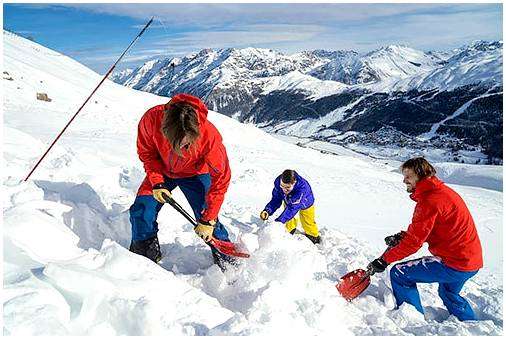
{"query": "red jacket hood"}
[(425, 185), (193, 101)]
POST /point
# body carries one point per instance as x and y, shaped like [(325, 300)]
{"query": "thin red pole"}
[(89, 97)]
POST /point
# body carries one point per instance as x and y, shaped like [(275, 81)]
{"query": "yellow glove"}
[(158, 189), (205, 229), (264, 215)]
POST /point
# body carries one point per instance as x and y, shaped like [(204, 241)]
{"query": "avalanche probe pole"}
[(89, 97)]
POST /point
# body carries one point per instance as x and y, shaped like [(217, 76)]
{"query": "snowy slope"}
[(66, 269), (478, 63), (298, 82), (399, 61)]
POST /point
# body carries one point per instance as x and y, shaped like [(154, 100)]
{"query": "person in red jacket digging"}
[(179, 147), (442, 219)]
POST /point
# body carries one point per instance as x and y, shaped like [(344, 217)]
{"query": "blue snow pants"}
[(404, 277), (144, 211)]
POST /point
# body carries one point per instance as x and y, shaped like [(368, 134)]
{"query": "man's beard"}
[(410, 189)]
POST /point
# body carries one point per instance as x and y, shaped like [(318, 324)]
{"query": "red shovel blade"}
[(228, 248), (352, 284)]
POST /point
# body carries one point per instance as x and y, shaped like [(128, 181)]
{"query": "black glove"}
[(393, 240), (377, 266)]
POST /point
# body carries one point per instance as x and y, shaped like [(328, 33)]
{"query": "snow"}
[(397, 62), (67, 270), (296, 81), (484, 176)]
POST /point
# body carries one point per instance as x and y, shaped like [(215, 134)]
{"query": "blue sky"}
[(95, 34)]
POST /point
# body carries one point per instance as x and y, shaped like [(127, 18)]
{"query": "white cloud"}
[(217, 14), (248, 35)]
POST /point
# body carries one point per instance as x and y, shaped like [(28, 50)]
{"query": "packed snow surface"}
[(67, 270)]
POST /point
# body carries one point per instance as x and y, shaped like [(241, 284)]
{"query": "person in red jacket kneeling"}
[(179, 147), (442, 219)]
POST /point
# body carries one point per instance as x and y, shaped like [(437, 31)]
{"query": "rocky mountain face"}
[(448, 99)]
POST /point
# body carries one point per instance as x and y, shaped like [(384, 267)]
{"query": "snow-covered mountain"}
[(67, 270), (210, 68), (478, 63), (322, 91), (122, 76), (382, 64), (229, 79)]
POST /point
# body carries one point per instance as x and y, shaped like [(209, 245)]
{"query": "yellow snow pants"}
[(307, 220)]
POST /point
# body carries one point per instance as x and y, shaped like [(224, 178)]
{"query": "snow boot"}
[(149, 248), (315, 240)]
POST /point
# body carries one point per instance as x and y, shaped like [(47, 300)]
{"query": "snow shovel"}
[(224, 247), (352, 284)]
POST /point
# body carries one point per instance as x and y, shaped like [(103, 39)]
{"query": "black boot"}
[(315, 240), (149, 248)]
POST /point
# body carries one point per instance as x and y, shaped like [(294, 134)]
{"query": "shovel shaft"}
[(180, 209), (224, 247)]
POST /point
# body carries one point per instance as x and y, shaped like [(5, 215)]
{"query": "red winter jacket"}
[(207, 156), (441, 219)]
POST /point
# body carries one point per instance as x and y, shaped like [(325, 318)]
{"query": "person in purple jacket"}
[(294, 192)]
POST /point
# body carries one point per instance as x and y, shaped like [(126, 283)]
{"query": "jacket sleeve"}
[(421, 225), (147, 151), (219, 170), (293, 207), (276, 200)]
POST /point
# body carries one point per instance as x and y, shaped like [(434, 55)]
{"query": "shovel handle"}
[(370, 271), (227, 248), (180, 209)]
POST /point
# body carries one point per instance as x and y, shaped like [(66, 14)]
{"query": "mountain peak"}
[(483, 45), (391, 49), (205, 51)]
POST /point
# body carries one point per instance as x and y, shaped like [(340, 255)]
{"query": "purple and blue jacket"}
[(300, 198)]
